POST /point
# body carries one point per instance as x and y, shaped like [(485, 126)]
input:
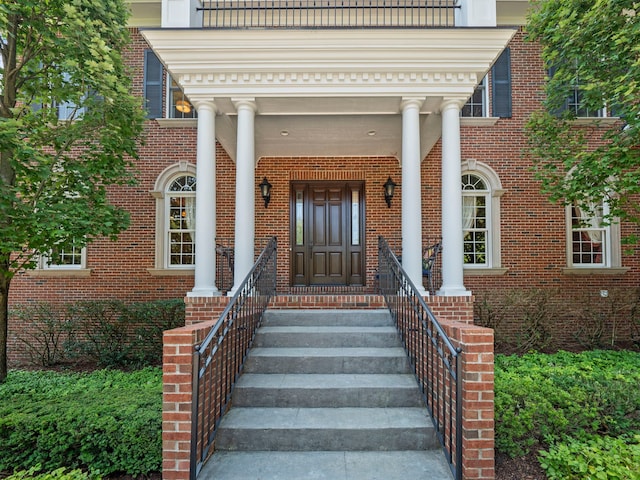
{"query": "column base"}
[(453, 291), (204, 292)]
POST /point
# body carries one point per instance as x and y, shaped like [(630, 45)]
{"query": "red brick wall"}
[(533, 230)]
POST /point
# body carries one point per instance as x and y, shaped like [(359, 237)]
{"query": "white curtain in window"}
[(591, 218), (468, 211), (190, 211)]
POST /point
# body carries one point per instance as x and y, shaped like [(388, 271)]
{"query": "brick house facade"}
[(529, 238)]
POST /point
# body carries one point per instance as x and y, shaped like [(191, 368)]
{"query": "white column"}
[(245, 192), (205, 274), (452, 240), (411, 197), (476, 13), (181, 14)]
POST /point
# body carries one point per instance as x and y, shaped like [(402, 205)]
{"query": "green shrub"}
[(542, 399), (595, 458), (104, 422), (108, 333), (48, 334)]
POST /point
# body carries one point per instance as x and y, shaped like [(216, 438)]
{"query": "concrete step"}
[(327, 318), (327, 360), (300, 390), (331, 336), (326, 429), (402, 465)]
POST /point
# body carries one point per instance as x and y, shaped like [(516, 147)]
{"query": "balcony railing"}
[(302, 14)]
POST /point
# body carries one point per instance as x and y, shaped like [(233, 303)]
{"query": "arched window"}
[(175, 194), (481, 192), (475, 220), (181, 221)]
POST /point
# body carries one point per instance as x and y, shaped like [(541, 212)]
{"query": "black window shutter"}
[(153, 73), (501, 84)]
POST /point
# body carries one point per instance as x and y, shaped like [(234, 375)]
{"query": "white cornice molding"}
[(303, 84), (315, 62)]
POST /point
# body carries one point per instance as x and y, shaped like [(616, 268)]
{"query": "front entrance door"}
[(327, 233)]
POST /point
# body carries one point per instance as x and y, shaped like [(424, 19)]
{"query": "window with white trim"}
[(481, 192), (475, 220), (575, 103), (181, 221), (178, 106), (590, 239), (69, 257), (155, 80), (476, 106), (175, 194), (499, 81)]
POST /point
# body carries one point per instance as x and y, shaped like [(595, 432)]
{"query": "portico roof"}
[(328, 92)]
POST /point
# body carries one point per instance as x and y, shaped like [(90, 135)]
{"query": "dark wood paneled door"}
[(327, 233)]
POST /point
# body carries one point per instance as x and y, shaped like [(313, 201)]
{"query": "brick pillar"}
[(478, 424), (458, 309), (177, 381), (204, 309)]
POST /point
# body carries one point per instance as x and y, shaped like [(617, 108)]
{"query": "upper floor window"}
[(500, 82), (481, 192), (575, 102), (477, 105), (155, 80)]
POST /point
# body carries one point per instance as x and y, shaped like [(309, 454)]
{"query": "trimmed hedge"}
[(105, 422)]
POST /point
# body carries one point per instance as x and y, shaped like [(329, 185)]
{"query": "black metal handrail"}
[(328, 13), (434, 359), (219, 359)]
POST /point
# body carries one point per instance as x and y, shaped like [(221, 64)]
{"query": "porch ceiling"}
[(328, 92)]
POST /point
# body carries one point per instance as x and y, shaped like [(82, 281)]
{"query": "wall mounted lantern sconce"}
[(389, 190), (265, 190)]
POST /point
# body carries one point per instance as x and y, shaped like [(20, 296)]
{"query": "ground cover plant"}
[(105, 422), (581, 411)]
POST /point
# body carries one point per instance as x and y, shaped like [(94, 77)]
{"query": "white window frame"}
[(493, 194), (485, 99), (170, 94), (575, 107), (611, 256), (46, 262), (184, 208), (160, 193)]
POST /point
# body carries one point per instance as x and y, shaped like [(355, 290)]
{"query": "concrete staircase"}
[(326, 394)]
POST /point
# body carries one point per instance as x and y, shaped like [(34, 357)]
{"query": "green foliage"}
[(545, 398), (55, 173), (592, 45), (595, 458), (105, 422), (35, 473), (108, 333)]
